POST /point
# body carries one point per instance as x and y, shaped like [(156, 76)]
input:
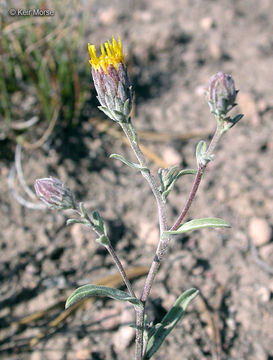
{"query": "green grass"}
[(40, 65)]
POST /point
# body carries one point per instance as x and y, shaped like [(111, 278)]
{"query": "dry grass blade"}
[(46, 134), (20, 173), (19, 198), (22, 125)]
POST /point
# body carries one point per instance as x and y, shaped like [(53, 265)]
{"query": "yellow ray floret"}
[(111, 54)]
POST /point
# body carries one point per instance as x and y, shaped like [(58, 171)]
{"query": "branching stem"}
[(163, 243), (198, 176), (163, 227)]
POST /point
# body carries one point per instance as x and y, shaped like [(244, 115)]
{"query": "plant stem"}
[(148, 176), (163, 227), (192, 194), (139, 333), (216, 137), (121, 269), (198, 176), (163, 243), (111, 251)]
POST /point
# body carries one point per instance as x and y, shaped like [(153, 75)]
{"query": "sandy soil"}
[(172, 49)]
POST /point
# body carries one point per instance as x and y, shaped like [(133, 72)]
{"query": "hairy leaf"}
[(129, 163), (201, 149), (91, 290), (197, 224), (169, 321)]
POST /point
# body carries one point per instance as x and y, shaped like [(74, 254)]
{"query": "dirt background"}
[(172, 48)]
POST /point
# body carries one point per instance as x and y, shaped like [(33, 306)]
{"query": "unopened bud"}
[(54, 193), (221, 94)]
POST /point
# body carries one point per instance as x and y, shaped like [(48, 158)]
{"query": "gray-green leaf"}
[(176, 177), (76, 221), (168, 178), (98, 222), (129, 163), (91, 290), (107, 112), (169, 321), (103, 240), (186, 172), (197, 224), (201, 149)]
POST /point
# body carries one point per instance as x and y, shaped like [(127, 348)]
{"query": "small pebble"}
[(83, 354), (263, 294), (171, 156), (266, 253), (259, 231), (215, 51), (206, 23), (231, 324), (108, 16)]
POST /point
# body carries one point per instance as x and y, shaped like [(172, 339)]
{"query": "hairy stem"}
[(111, 251), (148, 176), (192, 194), (163, 243), (139, 333), (121, 269), (198, 176), (129, 132), (216, 137)]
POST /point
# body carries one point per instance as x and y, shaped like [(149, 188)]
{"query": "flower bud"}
[(221, 94), (111, 80), (54, 193)]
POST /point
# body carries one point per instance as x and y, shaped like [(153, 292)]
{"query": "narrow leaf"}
[(168, 181), (91, 290), (169, 176), (120, 117), (169, 321), (127, 107), (177, 176), (76, 221), (98, 222), (160, 175), (103, 240), (197, 224), (186, 172), (107, 112), (201, 149), (129, 163), (230, 122)]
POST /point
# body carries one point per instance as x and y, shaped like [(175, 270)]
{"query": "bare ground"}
[(172, 49)]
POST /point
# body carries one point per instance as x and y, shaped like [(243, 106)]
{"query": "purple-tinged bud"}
[(221, 94), (54, 193)]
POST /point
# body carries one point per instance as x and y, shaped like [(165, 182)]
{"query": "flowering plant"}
[(114, 93)]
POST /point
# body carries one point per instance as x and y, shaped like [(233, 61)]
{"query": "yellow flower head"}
[(111, 54)]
